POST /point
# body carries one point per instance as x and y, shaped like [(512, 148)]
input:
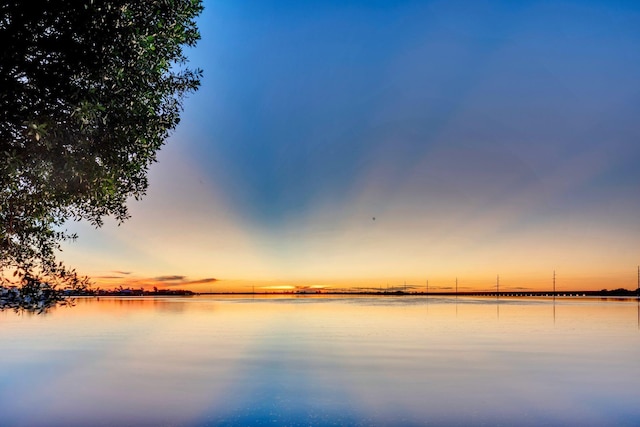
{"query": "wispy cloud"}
[(201, 281), (174, 278)]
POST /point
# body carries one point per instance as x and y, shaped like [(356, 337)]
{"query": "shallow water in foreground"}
[(205, 361)]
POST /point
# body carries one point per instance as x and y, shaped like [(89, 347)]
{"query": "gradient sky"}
[(484, 137)]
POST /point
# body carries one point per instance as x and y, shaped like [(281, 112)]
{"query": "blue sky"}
[(482, 136)]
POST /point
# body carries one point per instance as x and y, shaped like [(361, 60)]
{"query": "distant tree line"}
[(121, 291)]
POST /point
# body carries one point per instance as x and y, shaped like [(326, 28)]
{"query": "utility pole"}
[(498, 286), (428, 282), (456, 286), (554, 283)]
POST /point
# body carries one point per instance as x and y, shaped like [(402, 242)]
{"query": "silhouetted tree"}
[(89, 91)]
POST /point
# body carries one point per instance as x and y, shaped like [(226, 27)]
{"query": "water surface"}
[(206, 361)]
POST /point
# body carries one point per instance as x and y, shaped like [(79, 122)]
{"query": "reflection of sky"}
[(483, 137), (375, 361)]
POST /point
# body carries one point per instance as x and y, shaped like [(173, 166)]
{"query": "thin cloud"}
[(201, 281), (169, 278)]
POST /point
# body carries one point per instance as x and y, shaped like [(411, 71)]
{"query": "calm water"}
[(322, 361)]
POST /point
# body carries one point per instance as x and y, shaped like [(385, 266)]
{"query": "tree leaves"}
[(89, 96)]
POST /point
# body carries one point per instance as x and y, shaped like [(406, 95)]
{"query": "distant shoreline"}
[(503, 294), (616, 293)]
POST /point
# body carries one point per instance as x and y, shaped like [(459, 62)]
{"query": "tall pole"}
[(456, 286), (427, 286), (498, 285), (554, 283)]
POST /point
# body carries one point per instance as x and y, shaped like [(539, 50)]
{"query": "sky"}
[(368, 144)]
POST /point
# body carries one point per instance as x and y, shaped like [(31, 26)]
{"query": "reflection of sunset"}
[(186, 360)]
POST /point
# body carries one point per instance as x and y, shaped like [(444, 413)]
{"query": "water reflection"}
[(318, 361)]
